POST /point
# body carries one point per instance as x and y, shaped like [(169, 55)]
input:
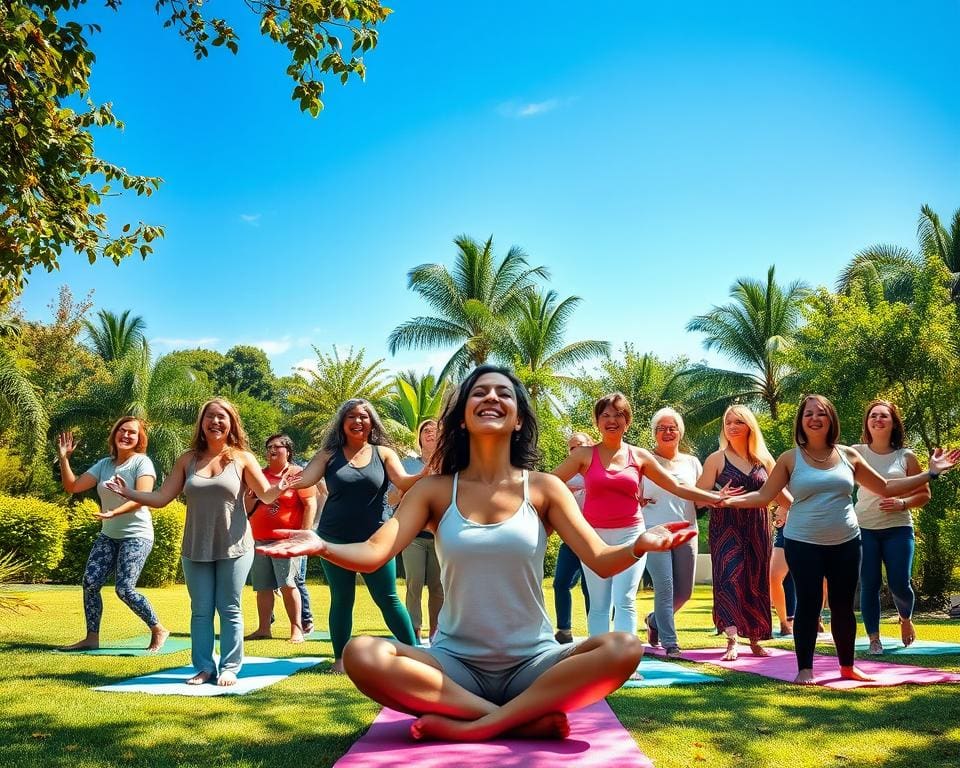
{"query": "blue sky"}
[(648, 158)]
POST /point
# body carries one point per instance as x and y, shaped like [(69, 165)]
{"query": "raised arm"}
[(776, 482), (312, 473), (561, 513), (71, 483), (367, 556), (940, 461), (397, 473)]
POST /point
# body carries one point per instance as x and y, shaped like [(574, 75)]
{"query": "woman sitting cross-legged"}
[(495, 667)]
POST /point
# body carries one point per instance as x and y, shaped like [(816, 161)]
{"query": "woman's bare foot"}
[(83, 645), (908, 632), (158, 636), (804, 677), (439, 728), (786, 628), (758, 650), (260, 635), (296, 634), (732, 653), (200, 678), (852, 673), (227, 677)]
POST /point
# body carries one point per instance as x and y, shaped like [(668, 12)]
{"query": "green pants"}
[(382, 584)]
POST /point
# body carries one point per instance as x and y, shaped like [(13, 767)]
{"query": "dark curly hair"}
[(453, 444)]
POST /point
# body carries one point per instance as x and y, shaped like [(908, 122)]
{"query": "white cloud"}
[(205, 342), (308, 363), (253, 219), (528, 109), (274, 346)]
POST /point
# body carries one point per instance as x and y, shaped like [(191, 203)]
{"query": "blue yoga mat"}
[(134, 646), (659, 674), (256, 673), (892, 646)]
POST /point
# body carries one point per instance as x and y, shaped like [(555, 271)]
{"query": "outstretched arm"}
[(367, 556), (913, 500), (576, 463), (564, 516), (171, 488), (940, 461), (312, 473), (776, 482), (398, 475), (653, 470)]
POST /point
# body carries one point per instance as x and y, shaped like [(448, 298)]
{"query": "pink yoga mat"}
[(597, 740), (782, 665)]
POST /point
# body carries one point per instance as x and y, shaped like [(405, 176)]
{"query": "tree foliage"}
[(115, 336), (52, 182), (474, 304), (245, 369)]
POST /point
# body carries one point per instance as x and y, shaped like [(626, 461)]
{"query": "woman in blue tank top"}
[(495, 667), (822, 538)]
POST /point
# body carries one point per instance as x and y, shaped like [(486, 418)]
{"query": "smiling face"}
[(735, 427), (357, 424), (816, 422), (277, 454), (215, 423), (667, 433), (126, 437), (879, 422), (491, 405), (428, 437)]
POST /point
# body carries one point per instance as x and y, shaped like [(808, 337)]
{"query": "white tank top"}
[(887, 465), (493, 613)]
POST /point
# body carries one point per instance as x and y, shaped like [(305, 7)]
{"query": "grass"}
[(49, 715)]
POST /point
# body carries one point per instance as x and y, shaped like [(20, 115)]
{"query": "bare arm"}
[(142, 483), (396, 472), (867, 476), (576, 463), (312, 473), (71, 483), (564, 516), (653, 470), (914, 500), (776, 482), (171, 488), (255, 480), (309, 498), (367, 556)]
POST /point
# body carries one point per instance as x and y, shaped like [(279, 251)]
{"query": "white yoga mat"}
[(257, 672)]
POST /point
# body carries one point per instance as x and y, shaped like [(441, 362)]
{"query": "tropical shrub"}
[(34, 530)]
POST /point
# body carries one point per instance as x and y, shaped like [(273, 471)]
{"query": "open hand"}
[(117, 485), (289, 481), (294, 543), (942, 460), (660, 538), (65, 445), (893, 504), (105, 515)]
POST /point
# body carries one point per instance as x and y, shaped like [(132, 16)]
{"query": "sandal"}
[(876, 647)]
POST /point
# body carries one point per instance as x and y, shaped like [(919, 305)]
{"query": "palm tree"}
[(893, 269), (18, 393), (113, 336), (317, 394), (165, 394), (536, 346), (474, 304), (753, 331)]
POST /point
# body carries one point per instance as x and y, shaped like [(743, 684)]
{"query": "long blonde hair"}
[(236, 437), (757, 450)]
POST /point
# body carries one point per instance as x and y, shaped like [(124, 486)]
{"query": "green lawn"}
[(50, 717)]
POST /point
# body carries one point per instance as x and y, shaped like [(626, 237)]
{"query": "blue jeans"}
[(306, 615), (565, 577), (216, 586), (893, 548), (672, 574)]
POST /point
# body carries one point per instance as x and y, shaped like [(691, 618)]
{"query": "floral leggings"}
[(127, 557)]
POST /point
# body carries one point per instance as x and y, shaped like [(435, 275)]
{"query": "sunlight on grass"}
[(52, 718)]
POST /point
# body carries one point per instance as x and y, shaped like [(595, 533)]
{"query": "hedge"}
[(163, 566), (35, 531)]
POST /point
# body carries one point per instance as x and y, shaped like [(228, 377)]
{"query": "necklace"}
[(814, 458)]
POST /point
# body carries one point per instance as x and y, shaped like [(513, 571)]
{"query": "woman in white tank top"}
[(495, 667)]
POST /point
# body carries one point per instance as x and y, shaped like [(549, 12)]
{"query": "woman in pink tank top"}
[(613, 471)]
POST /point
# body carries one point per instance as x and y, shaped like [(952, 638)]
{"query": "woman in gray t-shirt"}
[(126, 537)]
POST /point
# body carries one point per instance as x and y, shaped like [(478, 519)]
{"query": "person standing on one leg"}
[(886, 524), (822, 535)]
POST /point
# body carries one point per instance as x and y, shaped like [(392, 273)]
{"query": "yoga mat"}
[(782, 665), (318, 634), (135, 646), (659, 674), (893, 646), (256, 673), (597, 740)]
